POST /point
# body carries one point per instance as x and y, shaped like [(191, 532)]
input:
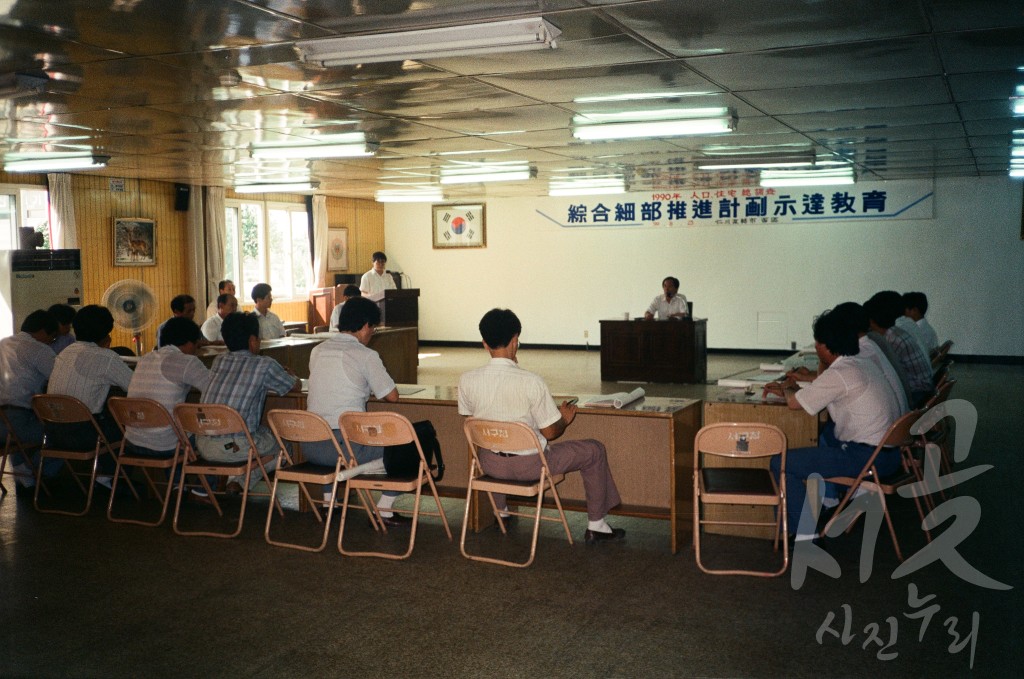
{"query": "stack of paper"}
[(617, 400)]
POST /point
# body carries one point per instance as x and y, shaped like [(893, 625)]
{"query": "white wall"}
[(969, 260)]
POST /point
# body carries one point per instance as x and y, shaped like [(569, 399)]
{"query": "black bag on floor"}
[(404, 461)]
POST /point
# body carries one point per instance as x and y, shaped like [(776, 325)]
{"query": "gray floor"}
[(83, 597)]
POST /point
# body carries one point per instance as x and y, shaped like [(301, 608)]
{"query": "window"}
[(268, 243), (23, 206)]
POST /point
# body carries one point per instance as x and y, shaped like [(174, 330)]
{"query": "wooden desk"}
[(649, 443), (654, 351), (291, 352), (731, 405)]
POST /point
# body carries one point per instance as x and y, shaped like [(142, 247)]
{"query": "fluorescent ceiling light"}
[(347, 145), (56, 163), (472, 173), (830, 177), (409, 196), (1017, 172), (1018, 106), (586, 186), (433, 43), (294, 187), (640, 96), (663, 123), (756, 161)]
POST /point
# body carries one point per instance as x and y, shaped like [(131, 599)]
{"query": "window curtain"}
[(194, 237), (320, 241), (216, 239), (63, 231)]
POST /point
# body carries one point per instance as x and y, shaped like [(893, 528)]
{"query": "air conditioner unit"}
[(36, 279)]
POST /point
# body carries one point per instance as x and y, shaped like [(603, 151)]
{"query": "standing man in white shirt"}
[(670, 304), (227, 304), (271, 326), (377, 280)]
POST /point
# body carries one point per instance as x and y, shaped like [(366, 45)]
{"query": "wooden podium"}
[(655, 351), (400, 308)]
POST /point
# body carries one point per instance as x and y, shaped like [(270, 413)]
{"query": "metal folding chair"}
[(502, 437), (385, 429), (739, 485), (145, 413), (211, 419), (298, 427), (59, 409)]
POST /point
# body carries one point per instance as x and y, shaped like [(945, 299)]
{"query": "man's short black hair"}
[(179, 331), (352, 291), (223, 298), (379, 255), (237, 328), (93, 323), (671, 279), (853, 314), (836, 334), (916, 300), (498, 327), (179, 302), (356, 313), (223, 284), (64, 313), (884, 308), (260, 290), (39, 320)]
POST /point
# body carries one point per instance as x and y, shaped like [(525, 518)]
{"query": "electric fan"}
[(133, 306)]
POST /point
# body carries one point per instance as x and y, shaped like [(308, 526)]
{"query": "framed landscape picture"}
[(337, 249), (461, 225), (134, 241)]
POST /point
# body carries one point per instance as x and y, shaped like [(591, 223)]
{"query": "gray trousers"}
[(586, 456)]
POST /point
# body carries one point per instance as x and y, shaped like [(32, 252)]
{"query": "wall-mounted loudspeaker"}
[(181, 192)]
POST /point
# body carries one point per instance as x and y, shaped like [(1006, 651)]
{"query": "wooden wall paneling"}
[(370, 228)]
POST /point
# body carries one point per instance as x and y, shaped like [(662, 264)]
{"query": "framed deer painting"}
[(134, 241)]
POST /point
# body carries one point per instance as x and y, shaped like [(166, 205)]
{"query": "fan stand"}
[(137, 342)]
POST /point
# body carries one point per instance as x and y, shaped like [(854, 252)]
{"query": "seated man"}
[(350, 292), (182, 306), (26, 361), (861, 404), (241, 379), (915, 306), (503, 391), (343, 372), (166, 376), (225, 287), (883, 309), (856, 318), (670, 304), (226, 305), (271, 326), (87, 370), (64, 314)]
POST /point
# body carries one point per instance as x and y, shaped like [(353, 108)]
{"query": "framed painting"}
[(134, 241), (462, 225), (337, 249)]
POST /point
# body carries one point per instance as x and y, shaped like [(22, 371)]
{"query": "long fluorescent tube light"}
[(408, 196), (472, 173), (433, 43), (57, 164), (293, 187), (830, 177), (313, 151), (586, 186), (743, 162), (643, 124)]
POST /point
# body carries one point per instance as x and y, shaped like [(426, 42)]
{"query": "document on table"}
[(617, 400)]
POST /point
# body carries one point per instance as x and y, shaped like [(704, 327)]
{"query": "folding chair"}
[(14, 445), (940, 353), (145, 413), (739, 485), (60, 409), (868, 480), (385, 429), (301, 426), (500, 437), (211, 419)]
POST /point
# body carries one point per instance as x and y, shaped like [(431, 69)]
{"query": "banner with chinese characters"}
[(748, 205)]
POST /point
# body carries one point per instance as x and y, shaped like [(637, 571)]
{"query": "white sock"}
[(599, 526), (503, 513), (804, 537), (829, 502), (384, 505), (105, 481)]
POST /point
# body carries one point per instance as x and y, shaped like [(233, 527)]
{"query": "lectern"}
[(400, 308), (655, 351)]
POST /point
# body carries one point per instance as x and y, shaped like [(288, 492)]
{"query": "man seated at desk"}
[(350, 292), (343, 373), (670, 304), (227, 304), (861, 404), (224, 287), (271, 326), (504, 392)]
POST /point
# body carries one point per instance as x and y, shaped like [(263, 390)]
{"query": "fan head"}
[(132, 304)]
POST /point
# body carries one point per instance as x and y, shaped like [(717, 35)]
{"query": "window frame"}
[(233, 249)]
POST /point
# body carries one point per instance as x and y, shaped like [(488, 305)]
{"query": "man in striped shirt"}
[(883, 309)]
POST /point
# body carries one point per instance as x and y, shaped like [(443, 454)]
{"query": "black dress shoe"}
[(593, 536), (397, 521)]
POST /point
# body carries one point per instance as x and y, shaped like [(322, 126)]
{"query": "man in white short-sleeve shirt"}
[(503, 391), (225, 287), (377, 280), (227, 304), (670, 304), (271, 326)]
